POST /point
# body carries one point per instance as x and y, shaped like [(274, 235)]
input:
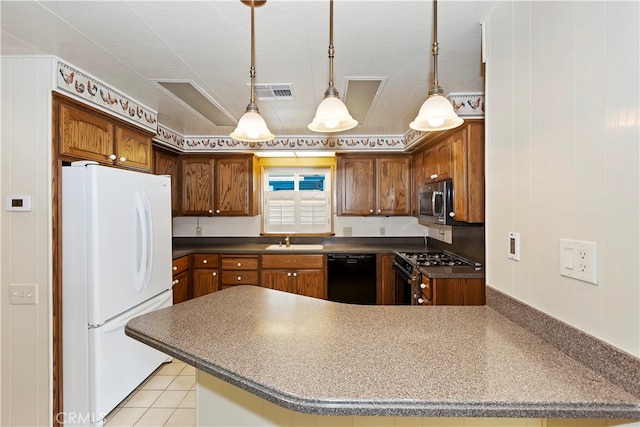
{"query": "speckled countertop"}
[(322, 357)]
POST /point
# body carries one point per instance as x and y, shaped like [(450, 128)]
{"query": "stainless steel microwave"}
[(435, 203)]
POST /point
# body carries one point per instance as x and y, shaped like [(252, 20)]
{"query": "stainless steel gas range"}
[(412, 285)]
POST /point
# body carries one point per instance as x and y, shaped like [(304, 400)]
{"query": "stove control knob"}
[(452, 214), (420, 301), (422, 286)]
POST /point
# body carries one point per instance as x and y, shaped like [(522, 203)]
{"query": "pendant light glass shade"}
[(436, 113), (332, 115), (252, 127)]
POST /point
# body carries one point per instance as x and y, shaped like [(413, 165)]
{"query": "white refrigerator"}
[(116, 264)]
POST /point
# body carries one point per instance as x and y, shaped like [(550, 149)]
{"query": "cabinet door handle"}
[(112, 156), (214, 273), (217, 211), (370, 210), (288, 274), (295, 274), (175, 267), (123, 159), (434, 176), (210, 211)]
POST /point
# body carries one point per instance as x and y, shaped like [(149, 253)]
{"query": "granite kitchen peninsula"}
[(265, 357)]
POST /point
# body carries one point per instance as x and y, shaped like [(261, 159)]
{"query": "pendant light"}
[(437, 112), (332, 115), (252, 126)]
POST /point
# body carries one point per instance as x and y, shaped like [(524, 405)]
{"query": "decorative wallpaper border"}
[(71, 80), (169, 137), (389, 143), (467, 104)]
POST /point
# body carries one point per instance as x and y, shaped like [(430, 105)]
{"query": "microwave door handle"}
[(434, 195)]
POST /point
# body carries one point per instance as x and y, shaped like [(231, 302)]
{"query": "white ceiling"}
[(130, 44)]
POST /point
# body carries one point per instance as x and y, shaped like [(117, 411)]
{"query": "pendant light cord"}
[(436, 89), (331, 90), (252, 70)]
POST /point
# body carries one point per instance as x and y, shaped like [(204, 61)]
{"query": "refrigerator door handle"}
[(149, 238), (142, 244)]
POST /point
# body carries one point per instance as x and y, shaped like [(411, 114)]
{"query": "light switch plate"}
[(23, 293), (578, 260), (18, 203), (513, 250)]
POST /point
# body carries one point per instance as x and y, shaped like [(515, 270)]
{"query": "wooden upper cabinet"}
[(356, 185), (220, 185), (235, 191), (167, 163), (84, 135), (374, 185), (197, 186), (87, 134), (468, 172), (438, 161), (132, 149), (393, 185), (418, 179)]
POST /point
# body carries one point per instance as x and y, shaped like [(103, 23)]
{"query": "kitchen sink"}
[(293, 247)]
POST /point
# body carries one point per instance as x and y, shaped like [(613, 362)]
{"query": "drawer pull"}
[(239, 278), (239, 264), (175, 267), (204, 261)]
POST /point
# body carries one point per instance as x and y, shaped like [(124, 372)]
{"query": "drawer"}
[(427, 289), (239, 277), (204, 261), (297, 261), (239, 262), (180, 264)]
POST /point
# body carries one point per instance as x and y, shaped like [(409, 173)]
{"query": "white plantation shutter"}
[(297, 211)]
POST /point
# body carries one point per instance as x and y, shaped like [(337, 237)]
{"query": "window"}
[(297, 200)]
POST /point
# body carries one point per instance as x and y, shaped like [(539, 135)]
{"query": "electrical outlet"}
[(23, 294), (578, 260), (347, 231), (383, 231)]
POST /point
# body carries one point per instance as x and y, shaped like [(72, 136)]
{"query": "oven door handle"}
[(403, 272)]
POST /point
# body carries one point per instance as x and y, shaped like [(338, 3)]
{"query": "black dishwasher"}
[(352, 278)]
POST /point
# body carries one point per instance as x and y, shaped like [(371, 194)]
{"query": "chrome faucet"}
[(287, 241)]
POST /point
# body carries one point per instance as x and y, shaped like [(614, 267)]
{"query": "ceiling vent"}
[(197, 100), (361, 95), (274, 92)]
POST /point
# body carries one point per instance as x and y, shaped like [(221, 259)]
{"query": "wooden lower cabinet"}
[(181, 290), (451, 291), (299, 274), (239, 270), (385, 277), (204, 274)]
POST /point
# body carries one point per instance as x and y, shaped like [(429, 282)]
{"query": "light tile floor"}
[(166, 398)]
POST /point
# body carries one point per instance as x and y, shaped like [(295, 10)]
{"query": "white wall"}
[(25, 241), (563, 158)]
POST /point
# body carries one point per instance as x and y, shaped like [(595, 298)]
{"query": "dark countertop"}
[(243, 246), (327, 358)]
